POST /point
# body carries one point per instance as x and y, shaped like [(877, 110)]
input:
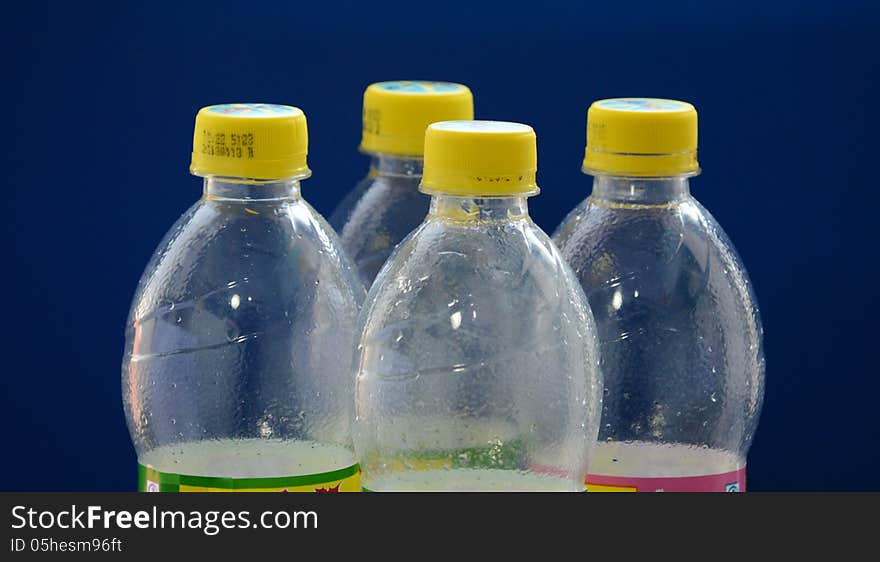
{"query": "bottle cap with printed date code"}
[(259, 141)]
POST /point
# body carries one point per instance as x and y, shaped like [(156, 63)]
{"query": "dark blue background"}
[(98, 112)]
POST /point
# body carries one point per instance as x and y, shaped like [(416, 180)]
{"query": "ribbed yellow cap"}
[(397, 113), (641, 137), (488, 158), (250, 140)]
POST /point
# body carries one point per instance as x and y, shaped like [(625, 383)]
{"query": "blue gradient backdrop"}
[(99, 105)]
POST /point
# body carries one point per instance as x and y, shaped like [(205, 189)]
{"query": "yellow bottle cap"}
[(641, 137), (486, 158), (397, 113), (250, 140)]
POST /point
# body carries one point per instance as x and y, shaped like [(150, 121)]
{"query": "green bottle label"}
[(342, 480)]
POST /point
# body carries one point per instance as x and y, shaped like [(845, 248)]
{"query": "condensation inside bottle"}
[(679, 329), (233, 365), (477, 364), (380, 212)]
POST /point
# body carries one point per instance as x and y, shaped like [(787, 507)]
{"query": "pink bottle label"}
[(734, 481)]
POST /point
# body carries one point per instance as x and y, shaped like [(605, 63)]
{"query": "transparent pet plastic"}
[(680, 334), (380, 212), (477, 364), (237, 360)]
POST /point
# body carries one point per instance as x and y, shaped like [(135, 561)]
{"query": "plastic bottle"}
[(232, 376), (477, 365), (387, 205), (679, 330)]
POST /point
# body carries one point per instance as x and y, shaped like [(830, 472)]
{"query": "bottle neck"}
[(396, 166), (240, 189), (618, 190), (478, 209)]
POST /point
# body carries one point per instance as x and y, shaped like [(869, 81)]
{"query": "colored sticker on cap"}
[(420, 87), (253, 109), (643, 104)]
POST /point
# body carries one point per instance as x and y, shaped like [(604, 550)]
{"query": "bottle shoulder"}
[(375, 217), (512, 267), (604, 243), (278, 249), (379, 194), (341, 213)]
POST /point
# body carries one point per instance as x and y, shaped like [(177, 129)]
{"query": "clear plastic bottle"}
[(679, 330), (387, 205), (477, 364), (232, 376)]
